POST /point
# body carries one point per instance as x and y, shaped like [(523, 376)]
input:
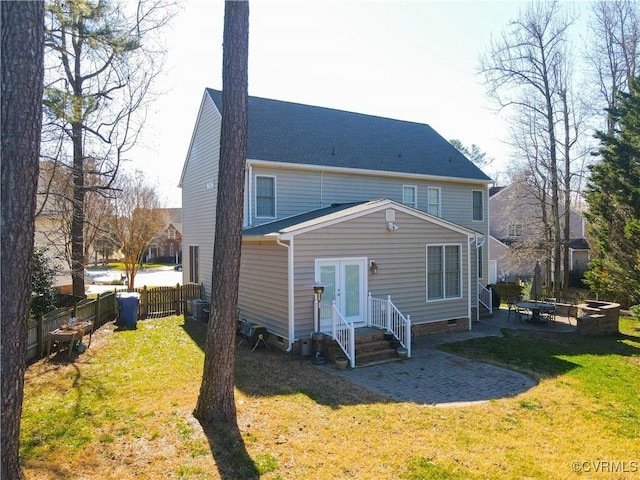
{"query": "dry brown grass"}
[(124, 410)]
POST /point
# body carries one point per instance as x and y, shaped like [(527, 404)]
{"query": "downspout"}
[(290, 289), (250, 196), (469, 240)]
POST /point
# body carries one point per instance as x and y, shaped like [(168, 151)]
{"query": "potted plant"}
[(388, 335), (342, 363)]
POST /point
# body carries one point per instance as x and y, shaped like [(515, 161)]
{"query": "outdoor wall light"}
[(318, 290), (373, 267), (391, 226)]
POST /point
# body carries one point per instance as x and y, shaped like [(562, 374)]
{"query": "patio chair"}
[(518, 313), (549, 314)]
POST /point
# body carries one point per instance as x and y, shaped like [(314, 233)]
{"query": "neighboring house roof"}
[(302, 134), (494, 190), (289, 227), (579, 244)]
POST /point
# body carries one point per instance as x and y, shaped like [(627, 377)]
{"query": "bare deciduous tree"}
[(527, 70), (101, 62), (137, 221), (614, 51), (22, 33)]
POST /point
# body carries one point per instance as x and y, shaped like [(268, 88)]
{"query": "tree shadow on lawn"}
[(266, 372), (231, 456), (270, 372), (538, 353)]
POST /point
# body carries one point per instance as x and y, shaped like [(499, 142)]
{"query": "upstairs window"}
[(265, 197), (410, 195), (478, 209), (515, 230), (433, 196)]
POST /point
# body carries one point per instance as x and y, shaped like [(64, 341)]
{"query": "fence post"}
[(389, 313), (177, 297), (96, 322), (145, 302), (40, 334)]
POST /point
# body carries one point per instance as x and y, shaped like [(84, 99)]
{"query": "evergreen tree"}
[(43, 296), (613, 196)]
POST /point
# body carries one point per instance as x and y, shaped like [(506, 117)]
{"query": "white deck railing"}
[(384, 314), (485, 296), (331, 322)]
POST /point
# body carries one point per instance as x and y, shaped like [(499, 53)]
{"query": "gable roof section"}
[(287, 228), (308, 135)]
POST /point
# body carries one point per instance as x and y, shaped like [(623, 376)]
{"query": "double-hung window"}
[(194, 267), (410, 195), (444, 273), (265, 196), (515, 230), (478, 209), (433, 199)]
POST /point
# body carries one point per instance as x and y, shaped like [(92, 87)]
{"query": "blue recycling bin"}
[(128, 308)]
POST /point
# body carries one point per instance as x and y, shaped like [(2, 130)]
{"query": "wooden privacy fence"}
[(154, 302)]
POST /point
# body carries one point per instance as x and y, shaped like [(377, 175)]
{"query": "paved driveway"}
[(439, 378)]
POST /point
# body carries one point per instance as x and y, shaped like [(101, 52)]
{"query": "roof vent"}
[(333, 151)]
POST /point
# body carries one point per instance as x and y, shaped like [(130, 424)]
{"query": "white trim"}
[(291, 290), (444, 271), (275, 196), (364, 279), (481, 205), (372, 207), (439, 190), (415, 195)]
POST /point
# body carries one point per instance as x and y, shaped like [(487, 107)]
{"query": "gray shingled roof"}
[(295, 133), (281, 225)]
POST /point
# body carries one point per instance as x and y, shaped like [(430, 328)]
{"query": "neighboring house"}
[(515, 226), (356, 203), (168, 245)]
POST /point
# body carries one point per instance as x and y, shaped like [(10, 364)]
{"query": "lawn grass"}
[(123, 409)]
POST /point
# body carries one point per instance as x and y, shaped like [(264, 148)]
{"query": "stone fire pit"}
[(598, 318)]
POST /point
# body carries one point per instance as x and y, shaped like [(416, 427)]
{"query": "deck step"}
[(376, 356)]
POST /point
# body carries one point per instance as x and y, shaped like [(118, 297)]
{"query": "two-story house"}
[(516, 226), (363, 206), (168, 245)]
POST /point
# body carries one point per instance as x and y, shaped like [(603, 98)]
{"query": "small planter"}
[(342, 363), (388, 336), (394, 343), (402, 352)]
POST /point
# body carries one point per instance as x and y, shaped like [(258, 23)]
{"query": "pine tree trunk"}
[(216, 402), (22, 25)]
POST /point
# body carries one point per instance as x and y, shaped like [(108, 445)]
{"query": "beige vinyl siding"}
[(262, 296), (296, 192), (301, 190), (198, 200), (401, 259)]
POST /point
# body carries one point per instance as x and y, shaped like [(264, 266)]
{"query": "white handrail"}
[(384, 314), (485, 296), (332, 323)]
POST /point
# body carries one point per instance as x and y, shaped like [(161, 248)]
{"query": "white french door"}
[(345, 283)]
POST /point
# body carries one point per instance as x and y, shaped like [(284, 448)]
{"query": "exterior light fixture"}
[(391, 226), (373, 267)]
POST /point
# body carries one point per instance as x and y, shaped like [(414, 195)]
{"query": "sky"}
[(409, 60)]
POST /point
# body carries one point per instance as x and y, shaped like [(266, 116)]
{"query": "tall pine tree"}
[(613, 196)]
